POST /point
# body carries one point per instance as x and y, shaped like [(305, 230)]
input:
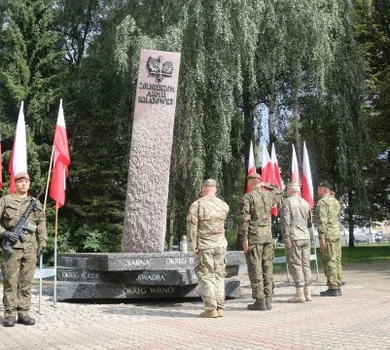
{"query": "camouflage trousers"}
[(298, 259), (259, 259), (18, 270), (210, 267), (331, 260)]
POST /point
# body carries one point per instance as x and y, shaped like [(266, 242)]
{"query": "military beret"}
[(325, 184), (209, 183), (254, 176), (22, 175), (293, 185)]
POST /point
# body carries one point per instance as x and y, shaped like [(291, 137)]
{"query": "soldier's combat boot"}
[(26, 320), (258, 305), (298, 297), (307, 293), (220, 312), (340, 292), (330, 293), (9, 321), (268, 304), (209, 314)]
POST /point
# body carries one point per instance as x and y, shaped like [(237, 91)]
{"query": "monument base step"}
[(67, 291)]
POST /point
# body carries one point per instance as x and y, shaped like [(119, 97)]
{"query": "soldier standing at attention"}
[(327, 220), (256, 238), (296, 237), (20, 258), (206, 238)]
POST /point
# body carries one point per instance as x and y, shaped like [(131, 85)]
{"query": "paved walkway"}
[(360, 319)]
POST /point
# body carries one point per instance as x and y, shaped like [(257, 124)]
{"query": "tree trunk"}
[(350, 219)]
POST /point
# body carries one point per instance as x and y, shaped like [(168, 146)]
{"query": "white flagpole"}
[(54, 303), (41, 257)]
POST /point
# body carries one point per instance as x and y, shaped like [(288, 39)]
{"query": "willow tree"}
[(334, 120), (374, 39)]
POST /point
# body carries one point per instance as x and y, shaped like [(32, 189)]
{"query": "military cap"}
[(22, 175), (254, 176), (325, 184), (294, 185), (209, 183)]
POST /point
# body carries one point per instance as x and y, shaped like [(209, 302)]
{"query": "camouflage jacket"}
[(294, 217), (327, 218), (205, 223), (255, 218), (11, 209)]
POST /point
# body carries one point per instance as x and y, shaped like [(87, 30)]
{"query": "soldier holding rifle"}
[(23, 230)]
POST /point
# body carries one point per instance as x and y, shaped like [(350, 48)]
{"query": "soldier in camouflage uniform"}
[(296, 237), (327, 220), (18, 266), (256, 238), (206, 238)]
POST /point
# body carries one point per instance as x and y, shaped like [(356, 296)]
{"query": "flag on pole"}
[(294, 167), (277, 178), (251, 163), (18, 161), (61, 160), (307, 184), (268, 173), (266, 167)]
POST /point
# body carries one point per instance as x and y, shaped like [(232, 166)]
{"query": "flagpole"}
[(314, 243), (54, 304), (41, 257), (48, 179)]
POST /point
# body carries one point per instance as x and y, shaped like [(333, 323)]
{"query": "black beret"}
[(325, 184)]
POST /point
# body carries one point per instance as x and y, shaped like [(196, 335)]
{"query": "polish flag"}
[(18, 161), (294, 167), (251, 163), (268, 173), (61, 160), (277, 178), (307, 184)]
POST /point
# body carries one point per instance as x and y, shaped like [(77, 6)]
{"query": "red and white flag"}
[(294, 167), (251, 163), (61, 160), (277, 178), (307, 184), (268, 173), (18, 161)]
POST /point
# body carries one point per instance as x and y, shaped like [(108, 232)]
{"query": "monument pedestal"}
[(137, 275)]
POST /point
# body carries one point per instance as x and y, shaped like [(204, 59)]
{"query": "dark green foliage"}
[(299, 64)]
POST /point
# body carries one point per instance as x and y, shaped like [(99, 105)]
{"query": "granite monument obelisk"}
[(150, 154), (142, 270)]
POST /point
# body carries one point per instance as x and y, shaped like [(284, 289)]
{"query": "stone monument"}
[(143, 270), (151, 144)]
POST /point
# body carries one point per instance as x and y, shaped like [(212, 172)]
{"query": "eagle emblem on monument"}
[(158, 68)]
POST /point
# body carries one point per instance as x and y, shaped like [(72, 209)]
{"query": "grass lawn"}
[(362, 254)]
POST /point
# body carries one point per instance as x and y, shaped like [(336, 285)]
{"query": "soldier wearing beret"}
[(327, 220), (206, 238), (256, 238), (296, 237), (19, 262)]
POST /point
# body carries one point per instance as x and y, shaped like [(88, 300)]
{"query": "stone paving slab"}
[(357, 320)]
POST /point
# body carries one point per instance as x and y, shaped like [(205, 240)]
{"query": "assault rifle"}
[(22, 226)]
